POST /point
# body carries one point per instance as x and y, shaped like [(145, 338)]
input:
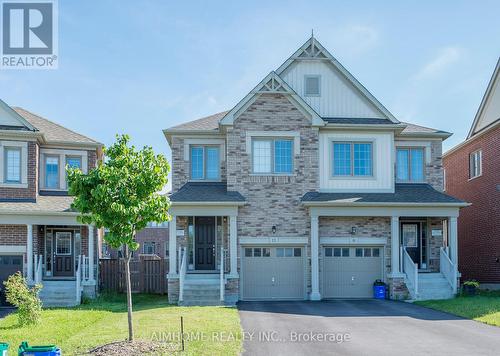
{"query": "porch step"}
[(202, 290), (58, 293), (433, 286)]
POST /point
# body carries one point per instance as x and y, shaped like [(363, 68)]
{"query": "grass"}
[(104, 320), (484, 307)]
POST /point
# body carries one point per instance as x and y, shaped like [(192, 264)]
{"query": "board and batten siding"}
[(338, 97), (382, 179)]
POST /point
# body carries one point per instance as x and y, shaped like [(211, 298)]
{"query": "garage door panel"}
[(272, 275), (9, 264), (349, 272)]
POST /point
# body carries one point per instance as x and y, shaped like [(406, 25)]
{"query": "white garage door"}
[(273, 273), (349, 272)]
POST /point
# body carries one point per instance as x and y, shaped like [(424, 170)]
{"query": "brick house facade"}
[(479, 224)]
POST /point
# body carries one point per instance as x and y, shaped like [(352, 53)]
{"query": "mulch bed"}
[(137, 347)]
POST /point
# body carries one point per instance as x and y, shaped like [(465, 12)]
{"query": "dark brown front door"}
[(63, 254), (204, 245), (410, 235)]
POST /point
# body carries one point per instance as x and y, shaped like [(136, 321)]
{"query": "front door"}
[(63, 254), (410, 236), (204, 232)]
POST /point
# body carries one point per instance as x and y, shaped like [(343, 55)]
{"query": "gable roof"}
[(53, 132), (492, 89), (417, 130), (11, 120), (272, 84), (206, 192), (203, 124), (312, 49)]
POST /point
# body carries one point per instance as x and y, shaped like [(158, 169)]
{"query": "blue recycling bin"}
[(379, 289), (48, 350)]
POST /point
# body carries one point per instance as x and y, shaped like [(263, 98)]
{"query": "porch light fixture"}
[(353, 230), (273, 229)]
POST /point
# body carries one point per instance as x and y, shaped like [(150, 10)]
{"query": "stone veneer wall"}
[(434, 170)]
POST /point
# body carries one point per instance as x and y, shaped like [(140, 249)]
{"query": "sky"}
[(138, 67)]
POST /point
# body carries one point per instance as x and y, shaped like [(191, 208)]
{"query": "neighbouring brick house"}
[(39, 232), (153, 242), (473, 174), (309, 188)]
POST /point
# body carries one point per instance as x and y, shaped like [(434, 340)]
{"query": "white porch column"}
[(233, 245), (29, 254), (172, 246), (453, 239), (315, 295), (395, 263), (91, 252)]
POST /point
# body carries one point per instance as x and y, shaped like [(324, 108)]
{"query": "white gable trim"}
[(313, 50), (273, 84), (16, 116), (486, 97)]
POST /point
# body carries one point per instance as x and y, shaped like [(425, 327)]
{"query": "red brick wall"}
[(158, 235), (31, 191), (479, 224), (13, 234)]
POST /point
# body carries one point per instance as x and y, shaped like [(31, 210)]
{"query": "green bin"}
[(3, 348)]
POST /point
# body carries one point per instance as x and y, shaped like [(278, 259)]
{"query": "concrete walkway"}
[(360, 327)]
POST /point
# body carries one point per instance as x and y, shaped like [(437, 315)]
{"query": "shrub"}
[(472, 283), (24, 298)]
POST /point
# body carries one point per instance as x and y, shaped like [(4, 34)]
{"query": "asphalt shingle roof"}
[(51, 131), (53, 204), (404, 193), (211, 123), (205, 192)]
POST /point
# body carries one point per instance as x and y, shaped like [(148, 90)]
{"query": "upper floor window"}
[(352, 159), (272, 156), (312, 85), (156, 224), (12, 164), (149, 248), (475, 164), (205, 162), (52, 172), (410, 164)]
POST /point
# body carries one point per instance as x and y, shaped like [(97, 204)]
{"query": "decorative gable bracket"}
[(272, 84)]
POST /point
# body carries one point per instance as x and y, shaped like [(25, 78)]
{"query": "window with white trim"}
[(352, 159), (312, 85), (475, 164), (410, 164), (149, 248), (51, 172), (205, 162), (12, 167), (272, 156)]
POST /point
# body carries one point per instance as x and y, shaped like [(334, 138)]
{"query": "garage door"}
[(349, 272), (8, 266), (273, 273)]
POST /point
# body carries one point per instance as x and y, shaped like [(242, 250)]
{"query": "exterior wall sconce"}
[(353, 230), (273, 229)]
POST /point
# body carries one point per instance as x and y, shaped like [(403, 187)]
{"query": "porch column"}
[(29, 254), (315, 295), (395, 263), (233, 245), (91, 252), (172, 246), (453, 239)]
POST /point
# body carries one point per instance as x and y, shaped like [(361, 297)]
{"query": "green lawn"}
[(484, 307), (104, 320)]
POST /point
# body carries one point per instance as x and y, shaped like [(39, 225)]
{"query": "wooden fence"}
[(146, 275)]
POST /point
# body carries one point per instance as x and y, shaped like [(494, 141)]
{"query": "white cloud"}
[(446, 57)]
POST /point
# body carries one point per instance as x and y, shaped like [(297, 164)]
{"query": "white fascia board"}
[(347, 241), (273, 240), (16, 116), (342, 70), (381, 204), (471, 139), (364, 127)]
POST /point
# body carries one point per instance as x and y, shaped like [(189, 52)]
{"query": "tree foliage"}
[(121, 193)]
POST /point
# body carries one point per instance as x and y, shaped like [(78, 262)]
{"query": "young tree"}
[(121, 195)]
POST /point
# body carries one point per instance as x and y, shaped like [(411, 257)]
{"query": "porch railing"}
[(448, 269), (79, 279), (222, 282), (182, 272), (85, 268), (38, 268), (410, 268)]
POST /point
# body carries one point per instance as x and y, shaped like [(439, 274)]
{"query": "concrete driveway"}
[(360, 327)]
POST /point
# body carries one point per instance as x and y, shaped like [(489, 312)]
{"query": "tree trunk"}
[(129, 294)]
